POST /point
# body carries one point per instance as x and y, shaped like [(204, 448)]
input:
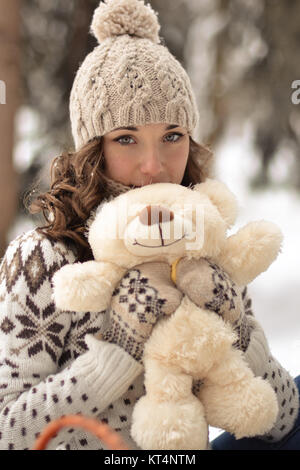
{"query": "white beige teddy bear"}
[(165, 222)]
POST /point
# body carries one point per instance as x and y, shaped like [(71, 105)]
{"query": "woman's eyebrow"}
[(172, 126)]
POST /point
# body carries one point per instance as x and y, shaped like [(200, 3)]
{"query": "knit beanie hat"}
[(130, 78)]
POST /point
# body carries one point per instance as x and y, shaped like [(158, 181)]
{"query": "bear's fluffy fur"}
[(192, 343)]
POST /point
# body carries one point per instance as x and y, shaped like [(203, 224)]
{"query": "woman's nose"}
[(151, 215), (151, 165)]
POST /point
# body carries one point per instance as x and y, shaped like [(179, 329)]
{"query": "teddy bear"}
[(168, 222)]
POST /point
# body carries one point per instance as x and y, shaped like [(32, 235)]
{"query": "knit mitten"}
[(144, 295), (210, 287)]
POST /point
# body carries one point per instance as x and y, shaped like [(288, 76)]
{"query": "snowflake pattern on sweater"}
[(46, 368)]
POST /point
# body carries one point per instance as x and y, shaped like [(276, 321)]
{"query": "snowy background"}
[(275, 293)]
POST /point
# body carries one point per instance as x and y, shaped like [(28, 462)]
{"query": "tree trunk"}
[(10, 100)]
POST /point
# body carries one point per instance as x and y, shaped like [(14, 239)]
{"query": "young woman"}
[(52, 362)]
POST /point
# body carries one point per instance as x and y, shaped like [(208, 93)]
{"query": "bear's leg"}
[(192, 339), (235, 400), (169, 416), (181, 348)]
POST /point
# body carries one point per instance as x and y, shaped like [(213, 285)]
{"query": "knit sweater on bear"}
[(52, 365)]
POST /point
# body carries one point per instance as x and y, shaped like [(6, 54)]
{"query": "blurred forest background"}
[(242, 57), (243, 60)]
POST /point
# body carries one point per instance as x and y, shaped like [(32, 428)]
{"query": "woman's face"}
[(155, 153)]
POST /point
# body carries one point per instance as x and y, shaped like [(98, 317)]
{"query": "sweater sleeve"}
[(260, 360), (34, 389)]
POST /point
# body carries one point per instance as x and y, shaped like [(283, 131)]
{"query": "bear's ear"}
[(221, 197)]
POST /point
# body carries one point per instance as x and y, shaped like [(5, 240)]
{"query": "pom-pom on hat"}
[(130, 78), (125, 17)]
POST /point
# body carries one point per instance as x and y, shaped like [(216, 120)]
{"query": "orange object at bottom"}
[(104, 433)]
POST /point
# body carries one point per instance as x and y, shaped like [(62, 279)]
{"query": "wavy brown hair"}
[(77, 187)]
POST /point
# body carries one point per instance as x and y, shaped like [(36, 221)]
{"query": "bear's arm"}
[(86, 286), (250, 251)]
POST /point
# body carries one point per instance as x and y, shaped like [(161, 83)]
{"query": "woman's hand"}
[(143, 296)]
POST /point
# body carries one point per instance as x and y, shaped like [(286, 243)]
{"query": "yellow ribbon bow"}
[(173, 269)]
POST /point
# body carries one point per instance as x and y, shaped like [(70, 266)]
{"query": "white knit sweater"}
[(51, 364)]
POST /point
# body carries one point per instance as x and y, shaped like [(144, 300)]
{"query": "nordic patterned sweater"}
[(51, 364)]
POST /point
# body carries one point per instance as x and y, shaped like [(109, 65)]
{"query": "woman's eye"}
[(172, 135), (119, 139)]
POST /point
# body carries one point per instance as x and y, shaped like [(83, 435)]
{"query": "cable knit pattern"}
[(129, 78)]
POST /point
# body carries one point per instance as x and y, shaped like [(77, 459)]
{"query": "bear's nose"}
[(151, 215)]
